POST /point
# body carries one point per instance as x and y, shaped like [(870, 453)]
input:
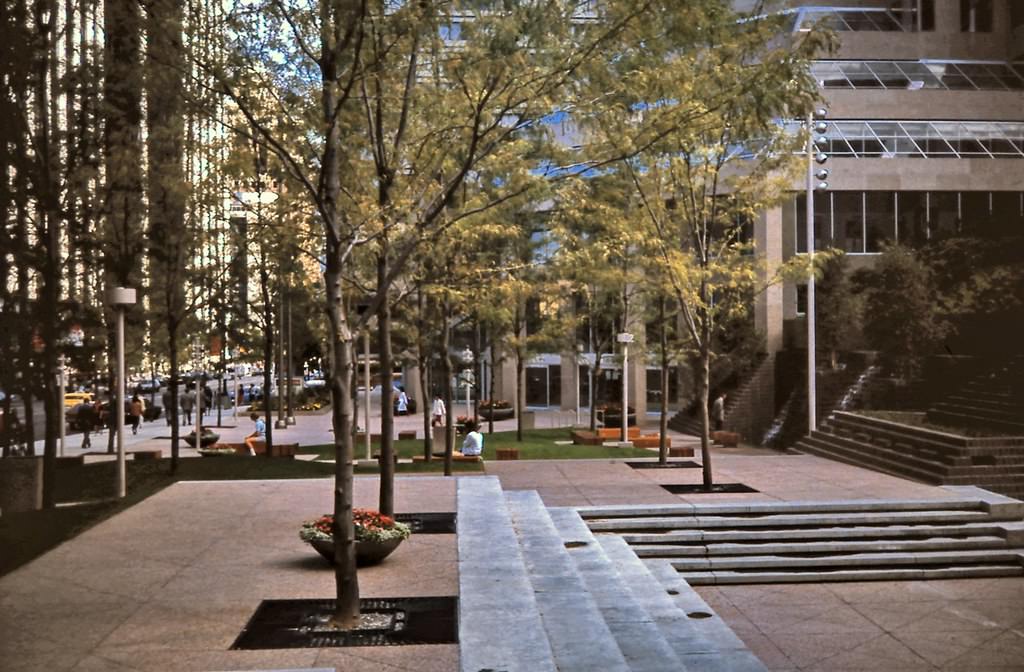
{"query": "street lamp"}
[(625, 338), (576, 380), (816, 142), (467, 376), (120, 298)]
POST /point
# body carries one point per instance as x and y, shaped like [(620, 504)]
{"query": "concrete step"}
[(580, 638), (972, 419), (810, 535), (903, 574), (698, 642), (772, 521), (924, 460), (841, 454), (857, 560), (495, 593), (819, 547)]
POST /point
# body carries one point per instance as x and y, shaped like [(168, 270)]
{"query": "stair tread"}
[(853, 559), (579, 636), (491, 571), (832, 546), (910, 574)]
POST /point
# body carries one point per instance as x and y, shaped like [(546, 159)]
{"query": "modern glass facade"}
[(925, 139), (920, 74), (861, 222)]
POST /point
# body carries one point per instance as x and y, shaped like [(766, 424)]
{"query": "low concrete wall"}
[(21, 484)]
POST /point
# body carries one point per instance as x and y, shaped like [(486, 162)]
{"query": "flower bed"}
[(369, 525)]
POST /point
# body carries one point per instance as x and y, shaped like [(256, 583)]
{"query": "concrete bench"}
[(138, 455), (260, 448), (650, 441), (726, 439), (407, 435), (507, 453), (680, 451), (456, 457)]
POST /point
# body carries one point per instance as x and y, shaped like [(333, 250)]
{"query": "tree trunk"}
[(663, 423), (423, 361), (446, 367), (346, 609), (703, 384), (387, 407), (268, 351), (490, 385)]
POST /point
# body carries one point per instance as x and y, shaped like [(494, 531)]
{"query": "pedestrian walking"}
[(188, 402), (437, 412), (718, 412), (136, 409), (86, 419), (402, 402), (207, 399), (165, 399)]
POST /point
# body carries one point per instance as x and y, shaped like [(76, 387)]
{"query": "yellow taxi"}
[(72, 399)]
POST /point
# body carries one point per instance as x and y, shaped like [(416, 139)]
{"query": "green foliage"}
[(902, 319), (837, 307)]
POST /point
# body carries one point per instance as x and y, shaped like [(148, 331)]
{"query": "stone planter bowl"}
[(367, 552)]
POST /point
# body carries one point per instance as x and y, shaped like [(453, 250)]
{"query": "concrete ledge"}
[(996, 504)]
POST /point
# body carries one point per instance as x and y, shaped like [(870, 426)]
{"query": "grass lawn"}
[(537, 444)]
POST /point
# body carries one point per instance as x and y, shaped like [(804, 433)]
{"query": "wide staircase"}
[(994, 463), (992, 401), (539, 592), (979, 535), (610, 588), (745, 409)]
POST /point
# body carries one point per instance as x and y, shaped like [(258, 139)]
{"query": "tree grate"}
[(684, 464), (701, 489), (391, 621), (428, 523)]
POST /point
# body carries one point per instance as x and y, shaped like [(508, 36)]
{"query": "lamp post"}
[(197, 355), (467, 377), (366, 392), (281, 422), (625, 338), (291, 416), (816, 141), (576, 380), (120, 298)]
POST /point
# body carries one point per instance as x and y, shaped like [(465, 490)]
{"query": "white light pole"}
[(467, 377), (62, 381), (625, 338), (815, 182), (576, 380), (120, 298), (197, 354), (366, 392)]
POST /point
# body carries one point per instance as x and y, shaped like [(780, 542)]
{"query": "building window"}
[(976, 16), (917, 75), (801, 299), (912, 218), (852, 19), (879, 219), (925, 139), (822, 222), (919, 15), (943, 214), (848, 208)]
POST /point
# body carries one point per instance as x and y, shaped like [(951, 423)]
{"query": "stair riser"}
[(819, 534), (725, 578), (869, 462), (905, 546), (854, 560)]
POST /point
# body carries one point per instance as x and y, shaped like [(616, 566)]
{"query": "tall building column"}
[(768, 305)]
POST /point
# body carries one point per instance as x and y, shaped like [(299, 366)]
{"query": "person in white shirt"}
[(437, 412), (474, 443), (403, 402)]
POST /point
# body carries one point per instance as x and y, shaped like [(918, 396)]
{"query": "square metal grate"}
[(699, 489), (428, 523), (684, 464), (391, 621)]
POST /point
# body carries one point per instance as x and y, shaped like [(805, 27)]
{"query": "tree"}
[(695, 99), (901, 310), (837, 307), (168, 234)]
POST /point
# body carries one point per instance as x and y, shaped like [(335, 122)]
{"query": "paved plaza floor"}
[(169, 584)]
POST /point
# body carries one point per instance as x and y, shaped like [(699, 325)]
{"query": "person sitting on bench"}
[(259, 436), (473, 446)]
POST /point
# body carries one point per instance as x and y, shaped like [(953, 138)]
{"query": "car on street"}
[(72, 399), (148, 386)]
